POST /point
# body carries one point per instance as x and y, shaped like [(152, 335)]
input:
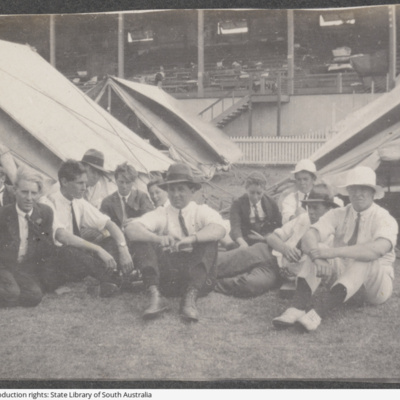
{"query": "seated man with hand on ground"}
[(80, 258), (255, 270), (176, 246), (26, 242), (305, 174), (254, 214), (365, 236), (127, 202)]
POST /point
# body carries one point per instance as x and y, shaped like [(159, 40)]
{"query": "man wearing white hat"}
[(365, 236), (305, 174)]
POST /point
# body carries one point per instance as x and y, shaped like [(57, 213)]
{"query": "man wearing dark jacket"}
[(254, 214), (26, 242), (127, 202)]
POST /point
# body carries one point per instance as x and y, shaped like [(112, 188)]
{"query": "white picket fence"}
[(279, 150)]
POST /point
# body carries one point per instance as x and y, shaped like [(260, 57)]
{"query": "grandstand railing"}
[(279, 150)]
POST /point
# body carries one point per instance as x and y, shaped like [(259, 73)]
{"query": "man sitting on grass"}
[(26, 242), (252, 271), (176, 246), (127, 202), (362, 257), (78, 257), (254, 214)]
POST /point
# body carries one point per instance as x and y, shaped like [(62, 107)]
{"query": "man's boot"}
[(157, 303), (188, 308)]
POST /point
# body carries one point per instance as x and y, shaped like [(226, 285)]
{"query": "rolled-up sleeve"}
[(386, 228)]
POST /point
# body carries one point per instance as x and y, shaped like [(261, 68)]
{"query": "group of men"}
[(91, 226)]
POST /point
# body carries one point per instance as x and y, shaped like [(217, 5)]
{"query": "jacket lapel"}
[(133, 200)]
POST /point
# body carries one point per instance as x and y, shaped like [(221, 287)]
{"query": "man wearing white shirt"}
[(176, 246), (74, 215), (26, 242), (362, 255), (305, 174)]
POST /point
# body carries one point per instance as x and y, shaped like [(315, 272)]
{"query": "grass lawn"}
[(75, 336)]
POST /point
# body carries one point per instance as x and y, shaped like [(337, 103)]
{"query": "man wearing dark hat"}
[(361, 257), (99, 184), (176, 246), (253, 271)]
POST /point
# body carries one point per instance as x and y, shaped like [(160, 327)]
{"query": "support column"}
[(392, 46), (52, 41), (290, 55), (200, 53), (121, 41)]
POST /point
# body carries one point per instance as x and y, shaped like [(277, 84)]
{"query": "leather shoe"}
[(157, 304), (189, 309)]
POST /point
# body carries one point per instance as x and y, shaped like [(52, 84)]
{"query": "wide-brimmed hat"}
[(321, 194), (362, 176), (179, 173), (95, 159), (305, 165)]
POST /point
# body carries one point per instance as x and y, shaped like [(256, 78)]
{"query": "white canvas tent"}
[(45, 119), (371, 137), (186, 136)]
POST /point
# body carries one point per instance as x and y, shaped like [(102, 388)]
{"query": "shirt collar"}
[(23, 213), (122, 197), (364, 213), (190, 205), (64, 199)]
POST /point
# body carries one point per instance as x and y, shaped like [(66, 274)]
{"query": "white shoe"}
[(288, 318), (310, 321)]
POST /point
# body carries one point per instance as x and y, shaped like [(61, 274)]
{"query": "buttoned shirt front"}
[(260, 211), (87, 216), (375, 223), (124, 200), (164, 220), (23, 232)]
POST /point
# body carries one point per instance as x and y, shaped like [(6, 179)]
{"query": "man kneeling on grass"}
[(176, 246), (362, 257)]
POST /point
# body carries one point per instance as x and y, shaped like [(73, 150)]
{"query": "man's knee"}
[(9, 294)]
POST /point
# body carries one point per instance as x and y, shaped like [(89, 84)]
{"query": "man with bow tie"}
[(26, 242)]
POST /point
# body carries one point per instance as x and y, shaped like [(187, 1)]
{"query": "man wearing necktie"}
[(176, 246), (254, 214), (79, 258), (26, 242), (305, 175), (365, 236), (127, 202)]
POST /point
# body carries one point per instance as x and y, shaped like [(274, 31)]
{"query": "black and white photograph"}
[(200, 196)]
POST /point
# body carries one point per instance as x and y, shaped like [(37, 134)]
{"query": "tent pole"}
[(120, 45), (52, 41), (290, 56), (109, 99), (200, 53), (392, 46)]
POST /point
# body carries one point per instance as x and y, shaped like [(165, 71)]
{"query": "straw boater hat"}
[(305, 165), (320, 194), (179, 173), (95, 159), (362, 176)]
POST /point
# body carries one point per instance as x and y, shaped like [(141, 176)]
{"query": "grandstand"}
[(264, 59)]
